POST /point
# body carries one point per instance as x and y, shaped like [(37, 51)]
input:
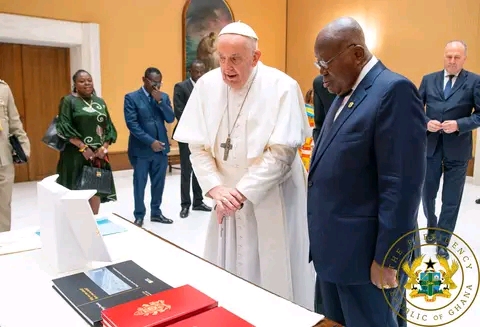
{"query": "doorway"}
[(38, 77)]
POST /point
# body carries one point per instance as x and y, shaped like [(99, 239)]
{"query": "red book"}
[(217, 317), (160, 309)]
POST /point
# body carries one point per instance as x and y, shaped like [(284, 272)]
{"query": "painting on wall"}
[(202, 21)]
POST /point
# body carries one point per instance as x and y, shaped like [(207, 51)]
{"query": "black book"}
[(95, 290), (18, 155)]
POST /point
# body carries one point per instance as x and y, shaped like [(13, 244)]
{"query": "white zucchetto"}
[(240, 29)]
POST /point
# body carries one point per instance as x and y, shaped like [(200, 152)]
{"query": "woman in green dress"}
[(84, 121)]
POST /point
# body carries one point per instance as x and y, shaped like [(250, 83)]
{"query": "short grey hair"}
[(458, 41)]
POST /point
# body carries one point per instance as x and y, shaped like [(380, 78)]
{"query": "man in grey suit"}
[(452, 100), (10, 123)]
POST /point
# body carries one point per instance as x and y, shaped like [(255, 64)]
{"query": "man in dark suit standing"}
[(449, 95), (181, 93), (322, 100), (146, 111), (365, 180)]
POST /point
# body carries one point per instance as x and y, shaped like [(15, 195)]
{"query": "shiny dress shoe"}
[(161, 219), (184, 213), (443, 253), (138, 222), (202, 207), (477, 201)]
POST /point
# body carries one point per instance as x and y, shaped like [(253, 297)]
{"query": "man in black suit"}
[(322, 100), (181, 93), (449, 96)]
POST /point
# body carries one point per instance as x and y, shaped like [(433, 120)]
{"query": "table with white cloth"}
[(28, 299)]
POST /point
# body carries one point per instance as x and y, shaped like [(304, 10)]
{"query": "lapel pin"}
[(350, 105)]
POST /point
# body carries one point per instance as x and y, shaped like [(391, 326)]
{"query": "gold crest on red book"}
[(152, 308)]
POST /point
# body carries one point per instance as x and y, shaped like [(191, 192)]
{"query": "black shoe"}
[(184, 212), (477, 201), (138, 222), (202, 207), (443, 252), (161, 219)]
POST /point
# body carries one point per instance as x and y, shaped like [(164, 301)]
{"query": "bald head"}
[(457, 44), (341, 53), (454, 57), (343, 31)]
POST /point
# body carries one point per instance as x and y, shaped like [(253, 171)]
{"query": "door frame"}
[(83, 40)]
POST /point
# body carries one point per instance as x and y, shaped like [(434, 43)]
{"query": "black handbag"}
[(51, 137), (95, 178), (18, 155)]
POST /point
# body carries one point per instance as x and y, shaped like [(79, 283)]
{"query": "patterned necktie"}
[(448, 86)]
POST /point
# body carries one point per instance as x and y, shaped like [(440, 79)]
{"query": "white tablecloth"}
[(27, 298)]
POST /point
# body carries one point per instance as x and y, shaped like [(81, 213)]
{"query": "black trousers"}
[(187, 175)]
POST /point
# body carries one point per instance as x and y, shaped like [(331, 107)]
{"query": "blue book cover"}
[(106, 227)]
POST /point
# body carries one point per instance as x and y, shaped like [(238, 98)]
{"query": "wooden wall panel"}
[(11, 71), (39, 77), (46, 78)]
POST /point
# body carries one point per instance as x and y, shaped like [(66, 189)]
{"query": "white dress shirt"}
[(446, 78)]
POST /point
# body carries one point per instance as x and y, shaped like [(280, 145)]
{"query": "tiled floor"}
[(190, 233)]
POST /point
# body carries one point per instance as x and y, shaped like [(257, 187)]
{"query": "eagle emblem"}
[(152, 308), (430, 283)]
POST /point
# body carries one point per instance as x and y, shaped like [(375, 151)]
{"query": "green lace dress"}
[(92, 125)]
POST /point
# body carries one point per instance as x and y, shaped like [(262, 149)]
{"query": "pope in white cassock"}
[(244, 123)]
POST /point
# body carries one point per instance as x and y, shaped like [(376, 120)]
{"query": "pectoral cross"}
[(227, 146)]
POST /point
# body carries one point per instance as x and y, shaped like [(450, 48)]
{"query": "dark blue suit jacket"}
[(464, 97), (366, 178), (146, 122)]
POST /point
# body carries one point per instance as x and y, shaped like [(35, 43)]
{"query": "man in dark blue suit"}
[(146, 111), (365, 181), (322, 100), (450, 96)]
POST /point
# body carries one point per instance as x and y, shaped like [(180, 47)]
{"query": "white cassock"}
[(266, 242)]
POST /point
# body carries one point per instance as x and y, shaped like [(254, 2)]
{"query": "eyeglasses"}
[(320, 64)]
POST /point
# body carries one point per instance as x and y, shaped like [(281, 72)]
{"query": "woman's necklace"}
[(88, 104)]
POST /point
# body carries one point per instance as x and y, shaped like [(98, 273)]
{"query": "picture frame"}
[(202, 21)]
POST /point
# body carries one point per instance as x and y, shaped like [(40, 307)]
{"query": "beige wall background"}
[(408, 36), (137, 34)]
